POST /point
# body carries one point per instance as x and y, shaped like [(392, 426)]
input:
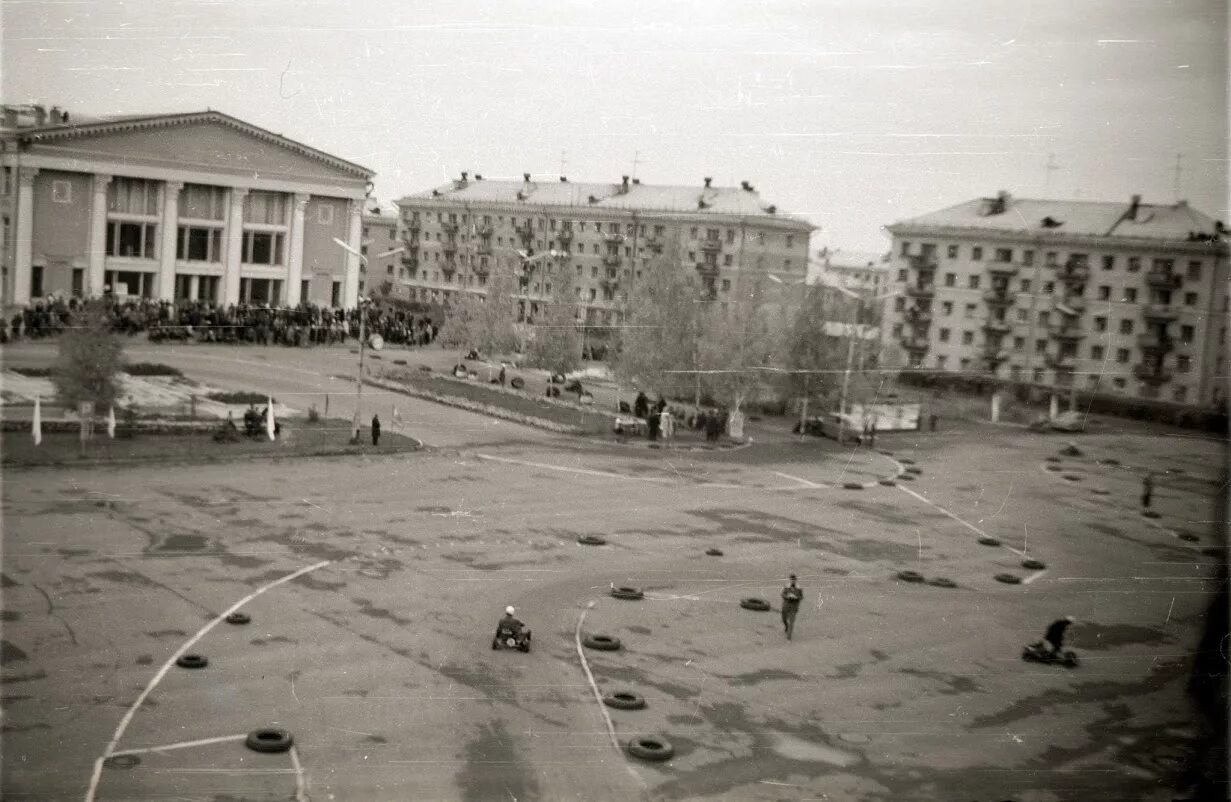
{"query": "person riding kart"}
[(1054, 637), (511, 628)]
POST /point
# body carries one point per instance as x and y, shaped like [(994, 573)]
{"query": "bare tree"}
[(556, 341), (486, 323), (89, 358), (660, 341), (740, 340), (814, 357)]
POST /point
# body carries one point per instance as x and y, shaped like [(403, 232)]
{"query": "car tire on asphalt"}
[(886, 482), (624, 700), (852, 485), (592, 540), (754, 604), (649, 747), (942, 582), (627, 593), (988, 541), (714, 552), (238, 619), (916, 471), (1033, 565), (1009, 579), (601, 643), (906, 461), (122, 762), (269, 740), (192, 661), (910, 576)]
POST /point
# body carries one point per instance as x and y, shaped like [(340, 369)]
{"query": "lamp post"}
[(359, 302)]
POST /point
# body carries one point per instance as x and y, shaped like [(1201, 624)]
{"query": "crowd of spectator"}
[(201, 321)]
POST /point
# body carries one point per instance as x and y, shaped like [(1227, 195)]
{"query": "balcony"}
[(994, 326), (1075, 274), (996, 297), (994, 356), (1152, 373), (918, 317), (525, 232), (485, 247), (481, 269), (483, 230), (449, 246), (565, 235), (411, 239), (923, 263), (611, 260), (414, 224), (921, 290), (915, 344), (410, 260), (1152, 343), (1161, 313), (707, 270), (1066, 332), (1163, 280), (613, 237), (1060, 361), (610, 285), (448, 227), (711, 245), (1003, 269), (1072, 305)]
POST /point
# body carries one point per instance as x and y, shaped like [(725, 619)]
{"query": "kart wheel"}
[(754, 604), (649, 747), (269, 740), (602, 643), (624, 700), (192, 661)]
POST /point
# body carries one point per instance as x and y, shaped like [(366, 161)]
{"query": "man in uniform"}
[(791, 597)]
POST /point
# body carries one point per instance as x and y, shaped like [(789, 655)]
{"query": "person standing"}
[(1147, 490), (375, 430), (502, 376), (792, 595)]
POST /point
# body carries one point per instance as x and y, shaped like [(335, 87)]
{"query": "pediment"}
[(209, 141)]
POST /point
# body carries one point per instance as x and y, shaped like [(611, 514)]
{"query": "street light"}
[(362, 338)]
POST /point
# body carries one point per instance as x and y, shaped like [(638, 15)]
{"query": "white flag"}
[(397, 418), (111, 422), (269, 418), (37, 426)]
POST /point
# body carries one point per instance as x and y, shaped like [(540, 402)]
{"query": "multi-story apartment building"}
[(197, 205), (606, 233), (1125, 298), (864, 272), (380, 236)]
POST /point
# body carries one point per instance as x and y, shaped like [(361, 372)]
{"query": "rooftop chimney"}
[(636, 182), (1133, 207), (707, 182), (623, 184), (10, 117), (526, 177), (465, 175), (40, 116), (563, 179), (478, 177), (1002, 201)]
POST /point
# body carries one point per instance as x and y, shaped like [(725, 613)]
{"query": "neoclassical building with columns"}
[(192, 206)]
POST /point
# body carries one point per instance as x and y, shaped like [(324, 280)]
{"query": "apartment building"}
[(383, 270), (865, 272), (607, 234), (1121, 298), (198, 205)]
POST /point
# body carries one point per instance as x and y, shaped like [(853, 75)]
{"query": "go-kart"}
[(511, 638), (1038, 652)]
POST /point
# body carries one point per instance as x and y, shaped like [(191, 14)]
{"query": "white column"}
[(235, 246), (24, 236), (170, 235), (96, 274), (350, 284), (294, 272), (194, 287)]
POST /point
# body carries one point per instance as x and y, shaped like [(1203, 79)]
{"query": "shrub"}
[(239, 397), (313, 415), (151, 369), (89, 357), (33, 373)]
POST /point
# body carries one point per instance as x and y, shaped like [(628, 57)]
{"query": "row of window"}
[(135, 240), (1103, 292), (1093, 382), (1051, 258), (1040, 346), (627, 229)]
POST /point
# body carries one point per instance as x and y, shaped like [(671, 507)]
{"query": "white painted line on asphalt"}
[(132, 711), (804, 482), (598, 696), (1033, 577), (966, 524), (301, 786), (582, 471), (181, 745)]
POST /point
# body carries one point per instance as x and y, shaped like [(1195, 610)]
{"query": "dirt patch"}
[(765, 675), (10, 653), (953, 683), (477, 781), (183, 543), (1097, 636)]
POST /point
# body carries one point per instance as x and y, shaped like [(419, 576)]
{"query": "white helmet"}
[(508, 610)]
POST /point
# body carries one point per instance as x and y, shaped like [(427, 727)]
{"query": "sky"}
[(850, 113)]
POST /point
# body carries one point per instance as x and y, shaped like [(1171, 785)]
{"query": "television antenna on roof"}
[(1049, 168)]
